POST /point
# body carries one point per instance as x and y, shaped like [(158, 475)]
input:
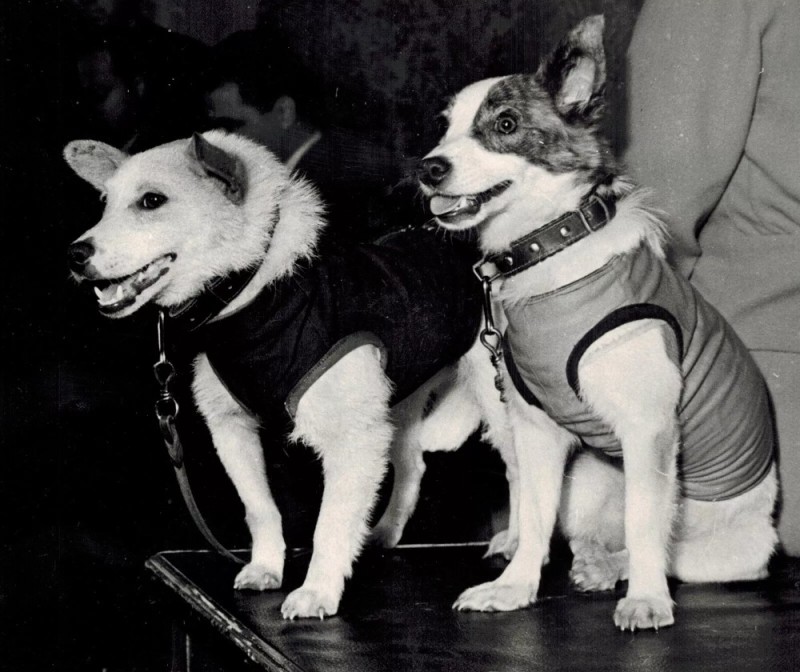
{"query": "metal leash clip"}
[(490, 337), (166, 405)]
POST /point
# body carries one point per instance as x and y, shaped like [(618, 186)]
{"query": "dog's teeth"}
[(119, 293), (98, 293)]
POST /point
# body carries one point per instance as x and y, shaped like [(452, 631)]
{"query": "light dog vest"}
[(726, 429), (412, 295)]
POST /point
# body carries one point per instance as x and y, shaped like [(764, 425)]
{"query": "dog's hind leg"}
[(439, 416), (729, 540), (235, 436), (345, 417), (592, 517)]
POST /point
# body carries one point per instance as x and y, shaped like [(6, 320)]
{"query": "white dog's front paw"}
[(643, 613), (309, 603), (594, 568), (254, 576), (503, 543), (495, 596)]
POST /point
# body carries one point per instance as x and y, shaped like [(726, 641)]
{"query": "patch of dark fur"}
[(553, 73), (559, 143)]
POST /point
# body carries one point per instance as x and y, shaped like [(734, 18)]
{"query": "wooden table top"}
[(396, 615)]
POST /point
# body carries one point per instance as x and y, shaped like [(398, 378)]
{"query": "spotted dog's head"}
[(523, 146)]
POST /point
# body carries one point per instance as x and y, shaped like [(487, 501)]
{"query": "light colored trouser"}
[(782, 373)]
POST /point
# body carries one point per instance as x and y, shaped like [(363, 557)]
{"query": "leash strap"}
[(166, 412)]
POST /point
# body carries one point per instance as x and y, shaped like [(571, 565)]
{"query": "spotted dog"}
[(617, 362)]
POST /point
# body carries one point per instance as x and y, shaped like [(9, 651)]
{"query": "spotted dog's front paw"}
[(503, 543), (643, 613), (495, 596), (594, 568), (309, 603), (255, 576)]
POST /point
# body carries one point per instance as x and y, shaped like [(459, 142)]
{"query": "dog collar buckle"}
[(586, 213)]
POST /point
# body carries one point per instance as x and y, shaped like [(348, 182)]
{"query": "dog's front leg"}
[(541, 449), (344, 416), (235, 436), (635, 387)]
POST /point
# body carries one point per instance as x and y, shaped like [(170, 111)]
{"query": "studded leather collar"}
[(553, 237)]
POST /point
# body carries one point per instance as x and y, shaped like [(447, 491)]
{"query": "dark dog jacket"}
[(726, 430), (413, 295)]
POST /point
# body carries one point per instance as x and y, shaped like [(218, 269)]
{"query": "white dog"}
[(623, 355), (217, 230)]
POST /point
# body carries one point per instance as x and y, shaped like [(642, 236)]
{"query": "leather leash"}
[(166, 412)]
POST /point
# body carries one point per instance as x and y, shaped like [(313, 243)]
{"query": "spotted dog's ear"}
[(227, 168), (574, 73), (94, 161)]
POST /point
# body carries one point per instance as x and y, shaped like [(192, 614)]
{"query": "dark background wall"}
[(86, 491)]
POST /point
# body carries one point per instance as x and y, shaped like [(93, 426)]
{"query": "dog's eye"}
[(505, 124), (442, 124), (151, 200)]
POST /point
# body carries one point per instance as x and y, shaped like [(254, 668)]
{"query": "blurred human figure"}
[(714, 94), (260, 89)]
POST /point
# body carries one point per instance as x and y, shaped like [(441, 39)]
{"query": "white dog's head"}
[(519, 149), (176, 217)]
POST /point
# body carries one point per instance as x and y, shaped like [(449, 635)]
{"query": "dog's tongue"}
[(441, 205)]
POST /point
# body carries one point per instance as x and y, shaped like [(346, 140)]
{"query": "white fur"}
[(464, 107), (344, 415), (632, 525)]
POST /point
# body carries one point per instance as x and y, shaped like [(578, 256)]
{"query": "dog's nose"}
[(79, 254), (433, 170)]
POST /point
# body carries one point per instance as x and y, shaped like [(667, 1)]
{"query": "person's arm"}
[(693, 72)]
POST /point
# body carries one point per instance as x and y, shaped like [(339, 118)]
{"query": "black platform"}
[(396, 615)]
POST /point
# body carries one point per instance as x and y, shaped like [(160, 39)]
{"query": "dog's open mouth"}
[(117, 294), (452, 209)]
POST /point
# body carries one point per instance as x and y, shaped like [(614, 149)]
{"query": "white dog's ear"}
[(94, 161), (227, 168), (574, 73)]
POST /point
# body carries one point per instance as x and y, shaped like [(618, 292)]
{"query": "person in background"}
[(259, 88), (714, 129)]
